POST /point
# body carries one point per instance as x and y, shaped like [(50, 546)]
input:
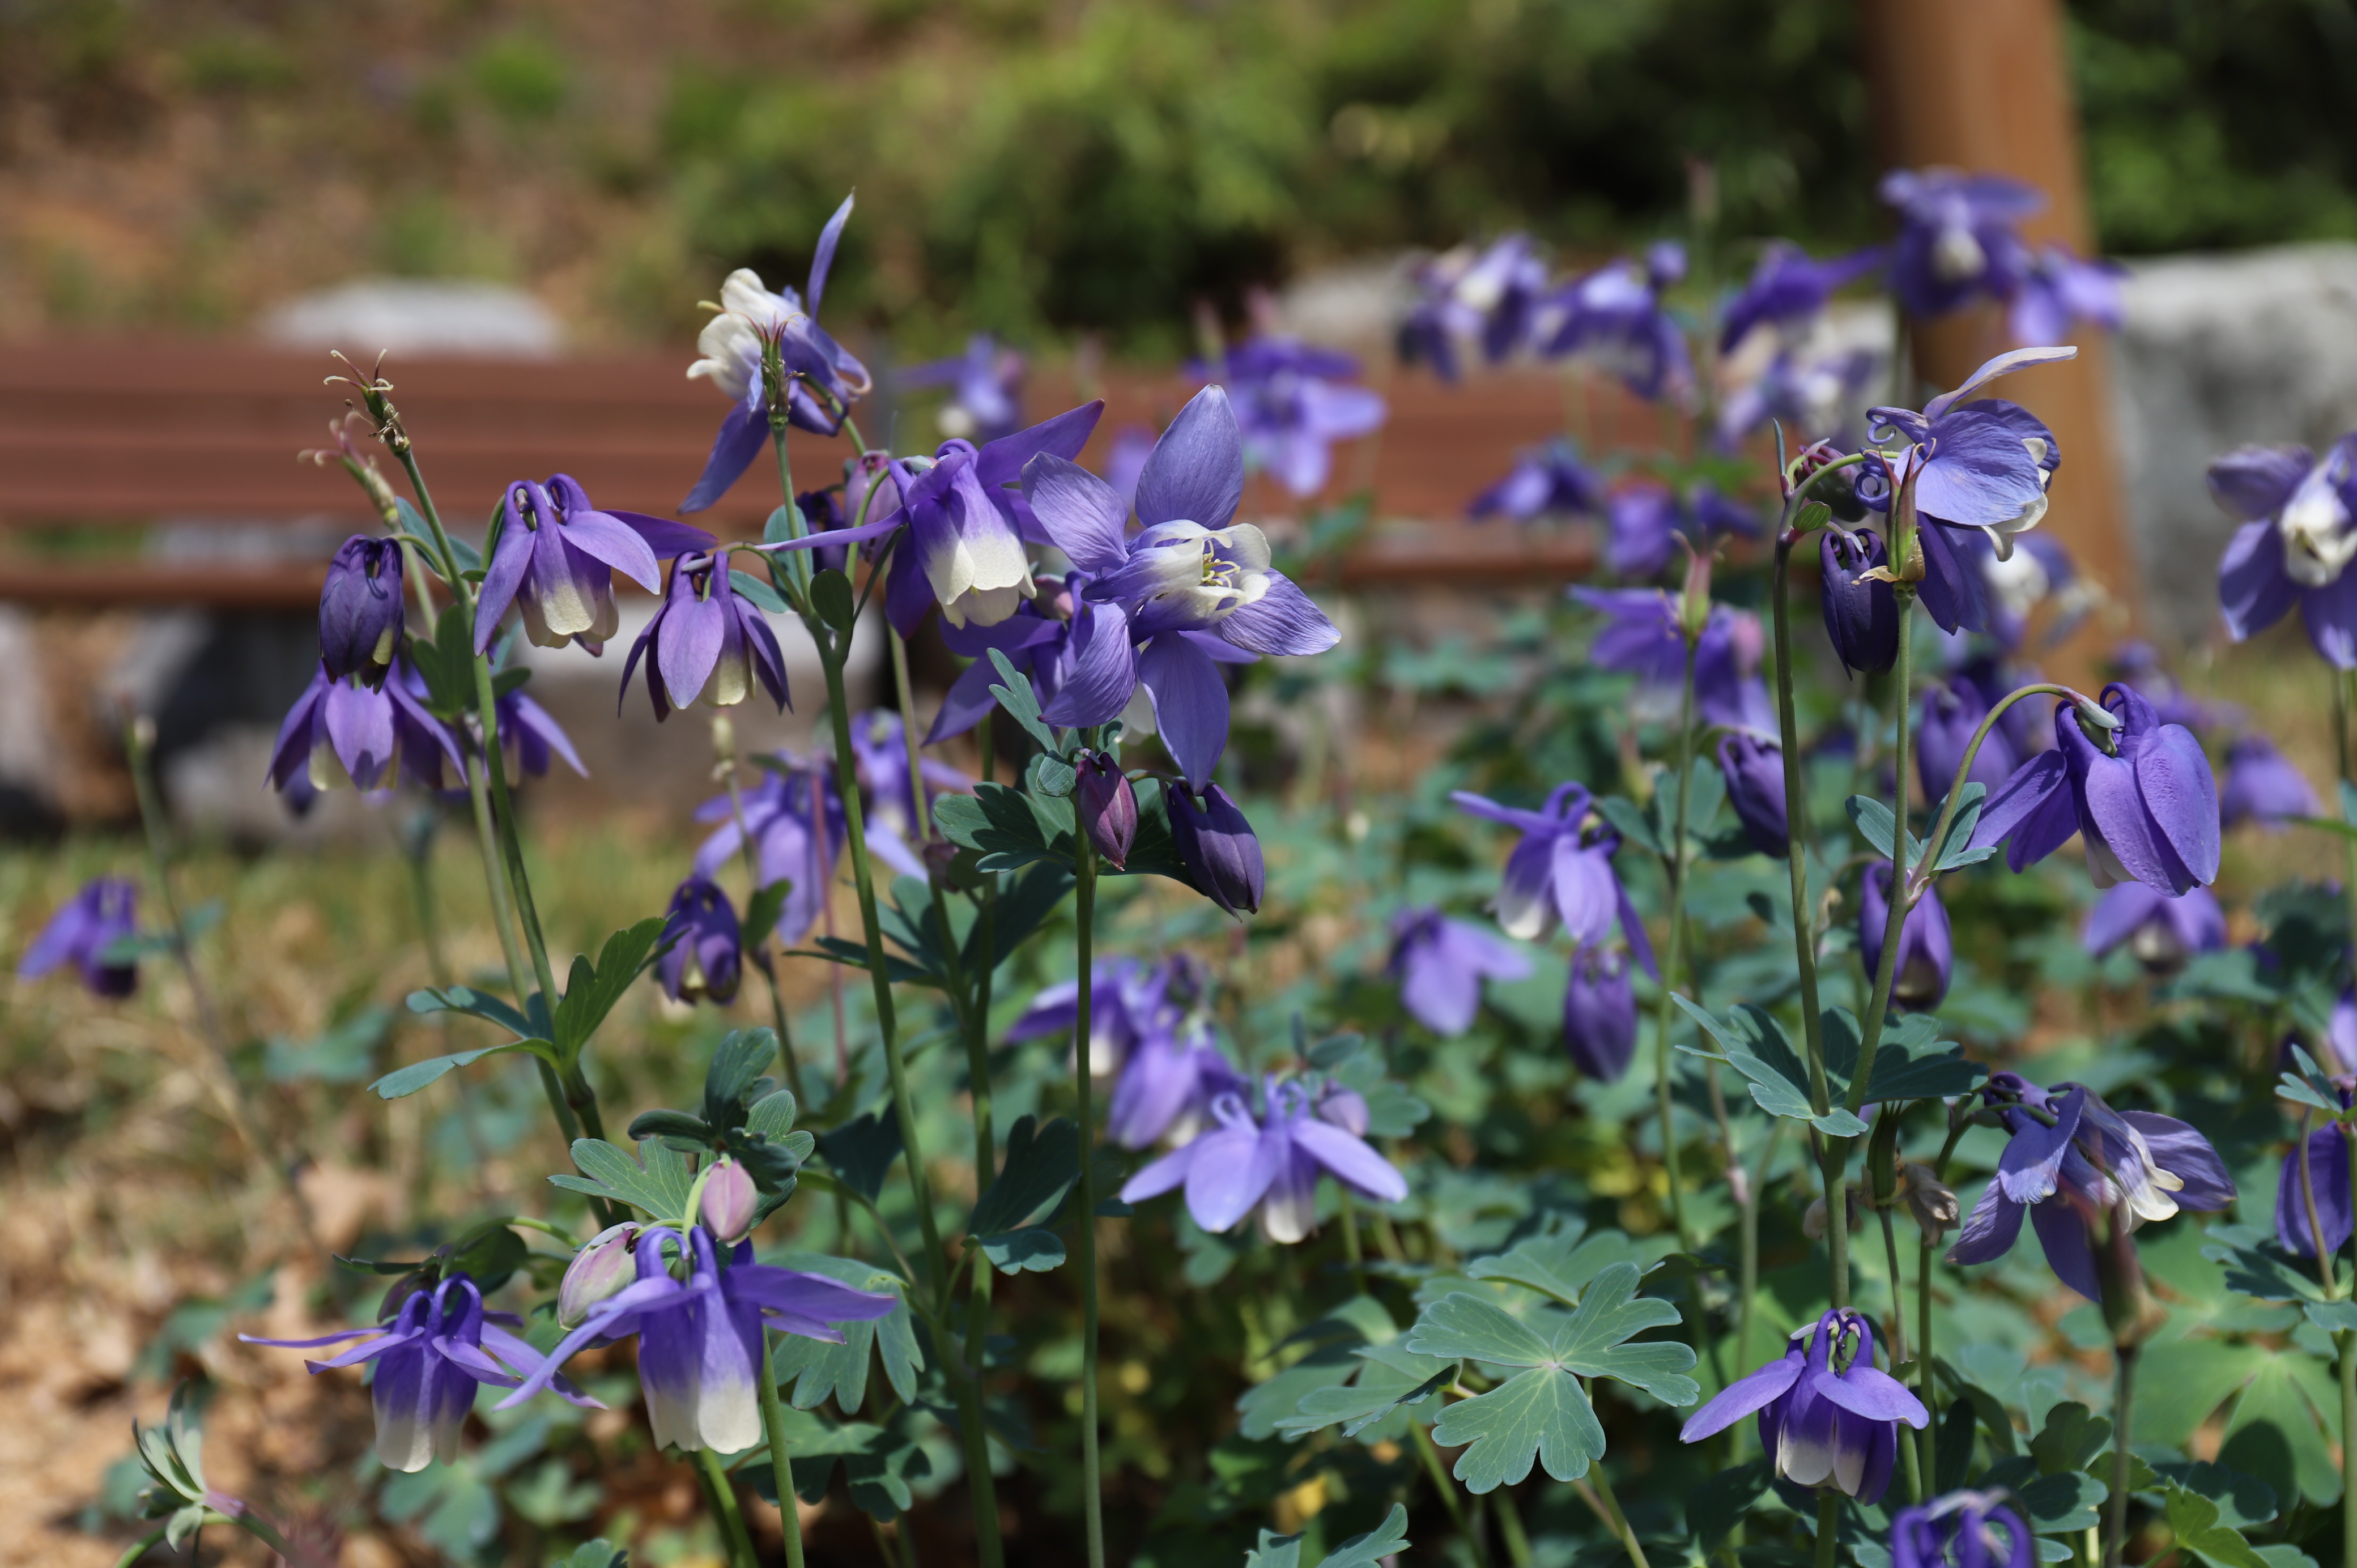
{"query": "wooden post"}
[(1982, 86)]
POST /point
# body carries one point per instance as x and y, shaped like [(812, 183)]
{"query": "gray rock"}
[(417, 316), (2218, 351)]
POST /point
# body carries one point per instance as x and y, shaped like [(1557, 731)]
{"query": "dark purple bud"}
[(1599, 1014), (1861, 614), (706, 955), (1218, 847), (1108, 807), (1755, 787), (1926, 956), (361, 609)]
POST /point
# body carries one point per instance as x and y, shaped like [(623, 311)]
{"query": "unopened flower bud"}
[(1343, 1108), (1861, 612), (729, 1201), (1812, 1223), (1931, 1200), (1218, 847), (1108, 807), (1694, 599), (360, 614), (597, 1272)]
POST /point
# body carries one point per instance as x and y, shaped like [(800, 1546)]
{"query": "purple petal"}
[(1587, 894), (1281, 621), (1350, 1160), (695, 632), (810, 1295), (1741, 1397), (822, 261), (2253, 590), (2005, 364), (1191, 706), (2253, 482), (1001, 462), (1083, 516), (966, 702), (1989, 1231), (2186, 1155), (615, 542), (501, 580), (1170, 1170), (2068, 1251), (1196, 473), (2117, 915), (2328, 1180), (1878, 1396), (733, 451), (2034, 785), (2180, 796), (1231, 1174), (663, 536), (1511, 816), (1101, 673)]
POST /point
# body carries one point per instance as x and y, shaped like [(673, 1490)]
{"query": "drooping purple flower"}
[(2325, 1155), (1562, 870), (2162, 930), (707, 644), (340, 731), (2057, 290), (1293, 404), (1614, 317), (700, 1338), (822, 380), (1788, 290), (1218, 847), (429, 1361), (706, 955), (1957, 237), (2263, 787), (1487, 297), (785, 811), (2146, 808), (1973, 471), (1192, 581), (879, 750), (1545, 481), (1640, 529), (1814, 396), (556, 557), (530, 736), (985, 386), (1955, 1531), (2297, 537), (1641, 637), (1600, 1013), (1927, 957), (1711, 513), (1953, 710), (1272, 1164), (1168, 1082), (360, 616), (84, 932), (1754, 771), (1440, 964), (1823, 1426), (1106, 806), (1861, 611), (2073, 1159)]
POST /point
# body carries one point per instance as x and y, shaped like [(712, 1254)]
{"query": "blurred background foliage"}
[(1033, 167)]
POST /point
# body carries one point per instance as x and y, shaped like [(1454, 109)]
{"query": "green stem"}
[(2347, 1415), (1828, 1527), (1084, 911), (1674, 867), (1796, 816), (1350, 1249), (1620, 1520), (1918, 1484), (144, 1545), (753, 890), (1749, 1263), (1510, 1525), (781, 1468), (1447, 1488), (1928, 1438), (2123, 1413), (721, 1492)]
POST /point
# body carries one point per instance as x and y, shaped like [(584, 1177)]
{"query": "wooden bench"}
[(121, 433)]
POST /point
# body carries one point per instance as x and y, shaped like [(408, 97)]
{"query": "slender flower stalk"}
[(781, 1468), (1674, 867), (1084, 909), (2115, 1534), (720, 1492)]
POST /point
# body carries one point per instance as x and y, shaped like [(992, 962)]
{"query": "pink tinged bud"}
[(1344, 1108), (597, 1272), (1694, 601), (1108, 808), (729, 1202)]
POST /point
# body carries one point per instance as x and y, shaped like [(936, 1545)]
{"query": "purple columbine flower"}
[(1815, 396), (84, 932), (1057, 639), (1861, 610), (1440, 964), (1127, 1002), (2297, 537), (2162, 930), (2146, 808), (555, 558), (1641, 637), (1106, 806), (530, 737), (1640, 529), (1293, 405), (360, 615), (1754, 771), (879, 751), (1957, 237), (731, 344), (1614, 317), (700, 1336), (2056, 290), (429, 1361), (707, 644), (1168, 1083), (1545, 481), (2080, 1160), (787, 847), (2263, 787), (1218, 847), (1953, 710), (1195, 579), (1823, 1426), (1562, 869), (2326, 1152), (1489, 296), (1600, 1013), (1971, 468), (1788, 290), (1927, 957), (985, 386), (706, 955), (1955, 1531), (1272, 1164), (343, 731)]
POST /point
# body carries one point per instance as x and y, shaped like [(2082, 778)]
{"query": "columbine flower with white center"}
[(707, 644), (1957, 237), (556, 557), (1272, 1162), (2299, 536), (1822, 1425), (1562, 869), (341, 731)]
